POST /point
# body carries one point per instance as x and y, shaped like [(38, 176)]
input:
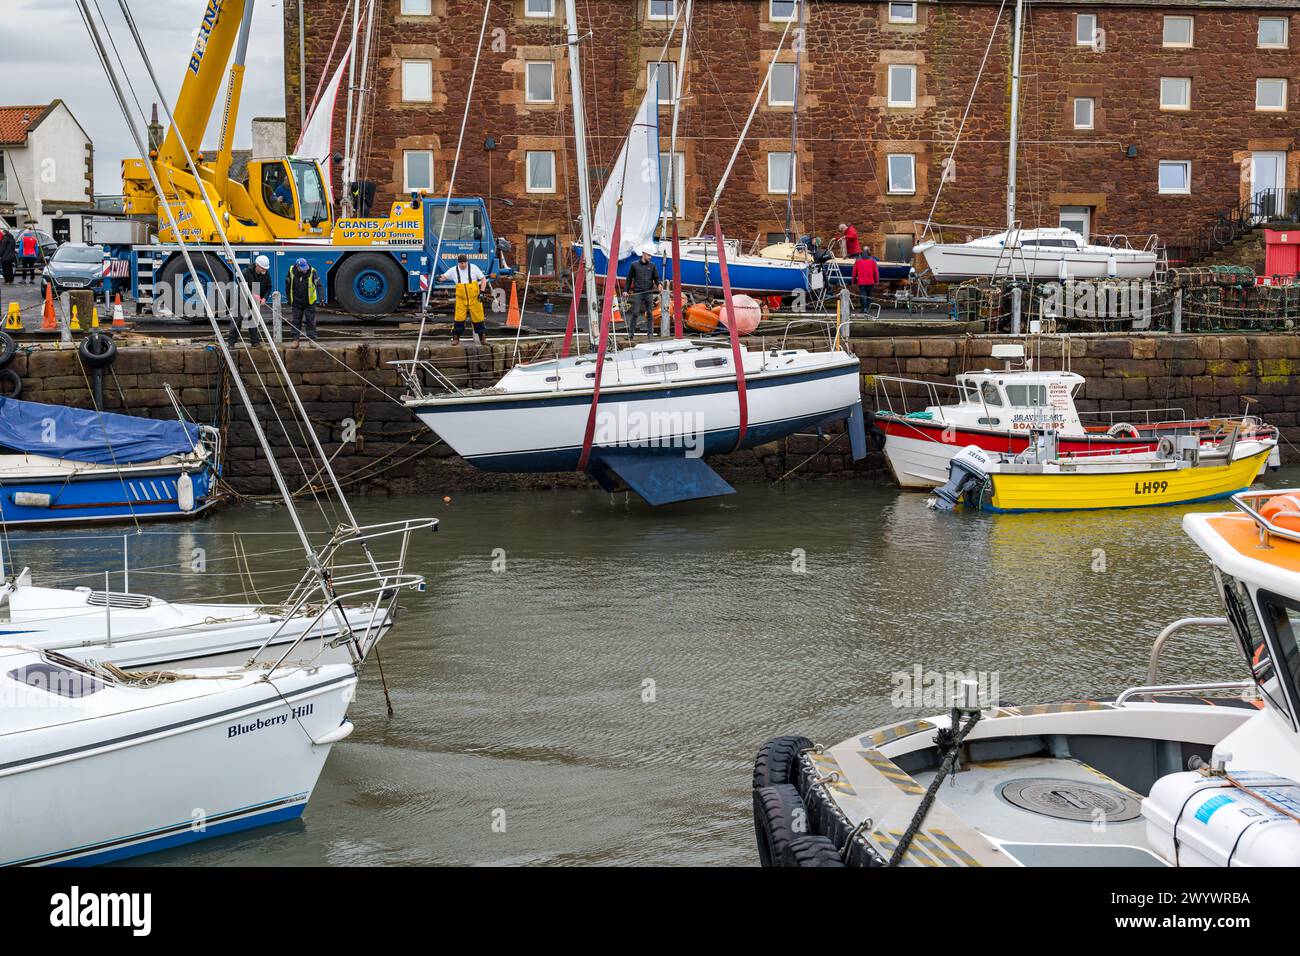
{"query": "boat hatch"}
[(55, 679)]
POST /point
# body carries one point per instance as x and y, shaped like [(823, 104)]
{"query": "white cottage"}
[(46, 169)]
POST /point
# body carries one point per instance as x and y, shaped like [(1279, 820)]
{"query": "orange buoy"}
[(1283, 511), (700, 318)]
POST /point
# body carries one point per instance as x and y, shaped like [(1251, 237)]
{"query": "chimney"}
[(155, 131)]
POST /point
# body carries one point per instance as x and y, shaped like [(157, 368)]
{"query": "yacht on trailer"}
[(1202, 774)]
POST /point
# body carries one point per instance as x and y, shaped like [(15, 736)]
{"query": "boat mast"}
[(794, 119), (584, 181), (346, 199), (359, 119), (678, 81), (1015, 116)]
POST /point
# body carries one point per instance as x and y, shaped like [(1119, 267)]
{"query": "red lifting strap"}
[(677, 285), (727, 307), (606, 316), (578, 276)]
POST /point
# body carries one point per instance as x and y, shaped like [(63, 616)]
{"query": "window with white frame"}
[(1085, 29), (539, 81), (781, 88), (1177, 32), (539, 8), (902, 85), (663, 74), (1175, 176), (902, 173), (672, 181), (541, 171), (417, 170), (1273, 33), (780, 173), (1270, 95), (1083, 112), (417, 81), (1076, 218), (661, 9), (782, 11), (415, 8), (902, 12), (1175, 93)]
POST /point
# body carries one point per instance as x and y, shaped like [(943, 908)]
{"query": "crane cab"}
[(289, 196)]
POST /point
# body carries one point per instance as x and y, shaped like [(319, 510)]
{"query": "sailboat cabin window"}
[(1177, 32), (902, 173), (1085, 29), (780, 173), (662, 9), (539, 8), (782, 11), (417, 81), (539, 82), (1083, 112), (781, 88), (902, 12), (902, 85), (661, 76), (541, 171), (1272, 33), (1175, 176)]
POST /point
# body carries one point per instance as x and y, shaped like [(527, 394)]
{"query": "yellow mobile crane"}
[(283, 209)]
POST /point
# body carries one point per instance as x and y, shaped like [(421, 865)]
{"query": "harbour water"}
[(586, 680)]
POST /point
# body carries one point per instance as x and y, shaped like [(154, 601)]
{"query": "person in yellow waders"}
[(470, 281)]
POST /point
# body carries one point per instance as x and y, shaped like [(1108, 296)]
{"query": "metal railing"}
[(329, 593), (1158, 647)]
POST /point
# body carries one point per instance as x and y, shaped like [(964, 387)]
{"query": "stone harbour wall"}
[(350, 391)]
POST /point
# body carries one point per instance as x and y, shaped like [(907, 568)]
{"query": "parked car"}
[(75, 265)]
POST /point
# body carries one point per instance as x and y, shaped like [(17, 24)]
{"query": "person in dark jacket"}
[(8, 254), (258, 276), (303, 289), (643, 283)]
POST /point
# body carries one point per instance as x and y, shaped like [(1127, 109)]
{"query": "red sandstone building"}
[(1138, 116)]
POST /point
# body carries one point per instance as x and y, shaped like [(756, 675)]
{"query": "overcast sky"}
[(46, 55)]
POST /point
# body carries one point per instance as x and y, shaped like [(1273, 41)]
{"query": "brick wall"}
[(846, 129)]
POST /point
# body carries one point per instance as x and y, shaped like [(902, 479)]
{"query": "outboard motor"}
[(967, 471)]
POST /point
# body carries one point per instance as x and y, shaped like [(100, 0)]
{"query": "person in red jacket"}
[(852, 247), (865, 276)]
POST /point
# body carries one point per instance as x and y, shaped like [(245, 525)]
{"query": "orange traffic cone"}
[(513, 317), (119, 320), (48, 322)]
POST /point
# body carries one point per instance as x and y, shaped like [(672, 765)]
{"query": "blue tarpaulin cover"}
[(81, 434)]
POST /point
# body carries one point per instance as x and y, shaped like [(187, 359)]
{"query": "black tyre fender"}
[(813, 851), (97, 350), (8, 349), (876, 436), (779, 817), (345, 293), (175, 275), (14, 381), (778, 760)]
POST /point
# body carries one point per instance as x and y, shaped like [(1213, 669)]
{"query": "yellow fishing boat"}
[(1181, 471)]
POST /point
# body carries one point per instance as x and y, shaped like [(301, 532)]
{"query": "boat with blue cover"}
[(62, 465)]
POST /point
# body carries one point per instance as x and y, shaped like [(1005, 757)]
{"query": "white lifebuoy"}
[(1123, 430), (185, 492)]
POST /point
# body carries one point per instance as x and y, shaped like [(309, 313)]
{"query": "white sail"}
[(636, 176), (317, 138)]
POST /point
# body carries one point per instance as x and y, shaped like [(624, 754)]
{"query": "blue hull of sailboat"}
[(104, 496), (696, 274)]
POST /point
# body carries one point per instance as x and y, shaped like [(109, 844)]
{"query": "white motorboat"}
[(1038, 254), (663, 404), (1164, 774), (95, 768)]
